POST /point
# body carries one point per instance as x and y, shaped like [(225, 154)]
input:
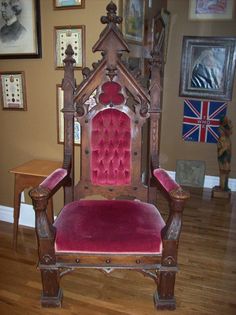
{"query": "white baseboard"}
[(211, 181), (27, 216)]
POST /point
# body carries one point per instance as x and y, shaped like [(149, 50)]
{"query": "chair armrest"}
[(55, 180), (177, 198), (164, 179), (169, 185), (41, 194), (45, 230)]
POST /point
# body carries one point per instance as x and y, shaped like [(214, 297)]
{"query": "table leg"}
[(17, 198)]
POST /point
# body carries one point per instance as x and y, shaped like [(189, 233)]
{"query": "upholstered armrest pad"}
[(165, 180), (54, 179)]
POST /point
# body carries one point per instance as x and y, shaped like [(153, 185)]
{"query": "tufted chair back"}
[(110, 162), (111, 143)]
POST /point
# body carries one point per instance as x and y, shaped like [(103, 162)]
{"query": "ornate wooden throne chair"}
[(116, 233)]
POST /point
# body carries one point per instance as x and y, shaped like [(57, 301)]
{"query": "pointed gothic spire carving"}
[(111, 15)]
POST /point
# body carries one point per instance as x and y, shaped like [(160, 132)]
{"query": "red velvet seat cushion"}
[(109, 226)]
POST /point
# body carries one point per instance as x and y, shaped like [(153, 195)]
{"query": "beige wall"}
[(172, 145), (32, 134)]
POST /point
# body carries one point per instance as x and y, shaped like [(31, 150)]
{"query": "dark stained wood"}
[(138, 105), (206, 283)]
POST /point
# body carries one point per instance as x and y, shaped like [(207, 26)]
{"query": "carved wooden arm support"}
[(177, 198), (44, 229), (40, 196), (171, 232)]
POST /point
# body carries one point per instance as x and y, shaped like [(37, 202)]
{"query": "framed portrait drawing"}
[(60, 119), (22, 37), (211, 10), (133, 12), (207, 67), (65, 35), (68, 4), (12, 90)]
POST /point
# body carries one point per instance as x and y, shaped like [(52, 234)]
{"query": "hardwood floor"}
[(206, 283)]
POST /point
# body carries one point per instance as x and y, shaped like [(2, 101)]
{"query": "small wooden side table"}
[(27, 175)]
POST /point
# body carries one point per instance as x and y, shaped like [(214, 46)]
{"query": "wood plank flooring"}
[(206, 283)]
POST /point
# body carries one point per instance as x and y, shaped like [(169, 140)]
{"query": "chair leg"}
[(52, 294), (164, 296)]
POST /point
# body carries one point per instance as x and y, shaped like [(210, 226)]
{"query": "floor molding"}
[(27, 216), (211, 181)]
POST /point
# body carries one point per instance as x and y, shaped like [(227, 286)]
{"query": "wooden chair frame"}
[(162, 267)]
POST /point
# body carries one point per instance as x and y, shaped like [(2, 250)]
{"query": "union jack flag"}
[(201, 120)]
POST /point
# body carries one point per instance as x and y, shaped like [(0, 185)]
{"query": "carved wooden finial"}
[(39, 192), (68, 69), (180, 194), (111, 15), (69, 55)]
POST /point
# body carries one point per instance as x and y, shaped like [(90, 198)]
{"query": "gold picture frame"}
[(13, 90), (60, 119), (68, 4), (133, 22), (211, 10), (65, 35)]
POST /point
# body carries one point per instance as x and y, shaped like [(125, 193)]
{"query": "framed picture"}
[(74, 35), (68, 4), (211, 10), (12, 90), (160, 32), (133, 12), (60, 119), (190, 173), (207, 67), (22, 37)]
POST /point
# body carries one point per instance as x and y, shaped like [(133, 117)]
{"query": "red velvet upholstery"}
[(167, 183), (111, 94), (111, 148), (109, 226), (53, 179)]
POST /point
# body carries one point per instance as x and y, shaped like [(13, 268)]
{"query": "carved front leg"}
[(164, 296), (52, 294)]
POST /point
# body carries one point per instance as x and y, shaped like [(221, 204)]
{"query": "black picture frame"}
[(207, 67), (27, 44)]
